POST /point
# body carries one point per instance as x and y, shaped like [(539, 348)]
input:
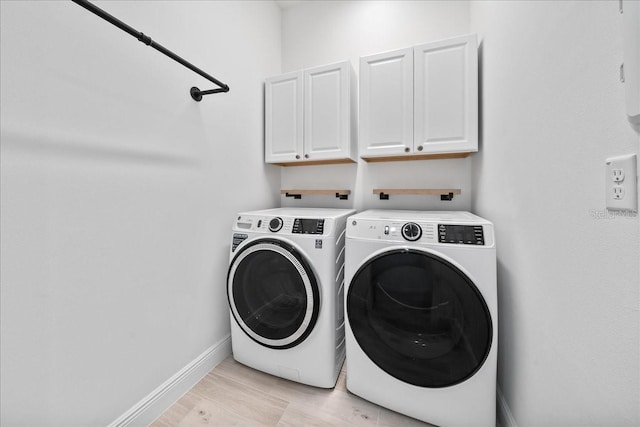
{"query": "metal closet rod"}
[(196, 93)]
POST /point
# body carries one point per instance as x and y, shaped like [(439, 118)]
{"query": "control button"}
[(411, 231), (275, 224), (386, 229)]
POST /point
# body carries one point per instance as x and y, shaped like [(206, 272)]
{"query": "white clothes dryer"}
[(285, 287), (422, 315)]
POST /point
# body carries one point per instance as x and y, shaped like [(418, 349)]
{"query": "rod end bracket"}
[(195, 94)]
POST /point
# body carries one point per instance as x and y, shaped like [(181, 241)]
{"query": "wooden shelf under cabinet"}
[(444, 193), (297, 194), (316, 162), (417, 157)]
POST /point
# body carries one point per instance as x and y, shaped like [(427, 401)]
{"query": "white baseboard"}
[(152, 406), (505, 417)]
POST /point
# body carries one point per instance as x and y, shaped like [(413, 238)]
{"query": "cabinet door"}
[(283, 118), (327, 112), (386, 103), (446, 96)]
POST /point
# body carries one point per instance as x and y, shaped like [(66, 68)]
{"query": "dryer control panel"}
[(417, 231)]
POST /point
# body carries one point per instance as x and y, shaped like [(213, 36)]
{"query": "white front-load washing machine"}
[(285, 287), (422, 315)]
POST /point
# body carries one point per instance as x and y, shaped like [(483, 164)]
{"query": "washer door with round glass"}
[(273, 293), (419, 318)]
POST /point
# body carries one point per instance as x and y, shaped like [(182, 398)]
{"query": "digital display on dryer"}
[(461, 234), (308, 226)]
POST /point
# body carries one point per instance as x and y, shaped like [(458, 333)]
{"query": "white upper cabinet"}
[(327, 112), (283, 117), (421, 101), (446, 96), (308, 116), (386, 103)]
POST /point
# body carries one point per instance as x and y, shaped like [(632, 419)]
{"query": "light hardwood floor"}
[(235, 395)]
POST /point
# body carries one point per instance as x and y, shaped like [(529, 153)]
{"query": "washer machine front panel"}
[(273, 293), (419, 318), (285, 290)]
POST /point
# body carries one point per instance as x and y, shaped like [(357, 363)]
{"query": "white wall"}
[(118, 194), (321, 32), (552, 112)]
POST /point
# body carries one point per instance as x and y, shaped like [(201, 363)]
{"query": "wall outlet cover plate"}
[(621, 183)]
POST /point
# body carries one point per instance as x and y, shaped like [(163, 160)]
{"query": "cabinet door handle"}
[(407, 149), (419, 147), (306, 156), (297, 156)]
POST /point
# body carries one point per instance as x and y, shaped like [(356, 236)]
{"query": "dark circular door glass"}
[(273, 294), (419, 318)]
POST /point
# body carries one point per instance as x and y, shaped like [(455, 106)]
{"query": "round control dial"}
[(411, 231), (275, 224)]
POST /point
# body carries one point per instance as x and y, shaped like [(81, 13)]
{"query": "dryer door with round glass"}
[(273, 293), (419, 318)]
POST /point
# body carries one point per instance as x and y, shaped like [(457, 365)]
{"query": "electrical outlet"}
[(617, 175), (618, 192), (622, 183)]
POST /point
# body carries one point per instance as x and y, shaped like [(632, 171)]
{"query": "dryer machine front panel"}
[(273, 293), (419, 318)]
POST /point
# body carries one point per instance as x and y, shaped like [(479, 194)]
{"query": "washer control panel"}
[(308, 226), (461, 234), (283, 225)]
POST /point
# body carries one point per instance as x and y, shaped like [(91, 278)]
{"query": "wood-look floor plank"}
[(236, 395), (174, 415), (350, 409), (233, 370), (341, 384), (388, 418), (210, 413), (224, 396), (272, 385), (297, 415)]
